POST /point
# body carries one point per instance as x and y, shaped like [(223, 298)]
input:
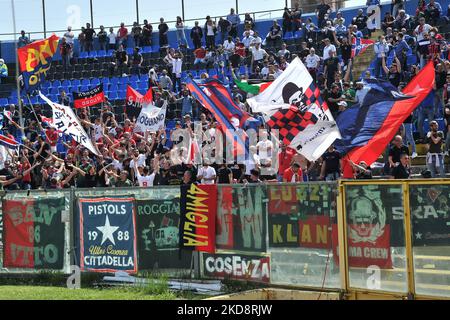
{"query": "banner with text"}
[(301, 215), (89, 98), (236, 267), (241, 219), (157, 224), (198, 208), (107, 235), (33, 234)]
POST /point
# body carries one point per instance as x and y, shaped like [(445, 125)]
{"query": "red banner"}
[(367, 246), (198, 209), (18, 234), (137, 100), (89, 98), (38, 54)]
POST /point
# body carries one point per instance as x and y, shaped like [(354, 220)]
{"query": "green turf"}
[(58, 293)]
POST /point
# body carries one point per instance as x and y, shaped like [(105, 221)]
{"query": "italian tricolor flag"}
[(254, 89)]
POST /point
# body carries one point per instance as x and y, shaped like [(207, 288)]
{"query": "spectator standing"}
[(210, 33), (136, 31), (234, 20), (293, 174), (287, 21), (435, 156), (322, 9), (258, 56), (163, 30), (275, 34), (3, 70), (331, 165), (23, 39), (395, 151), (206, 174), (65, 50), (361, 22), (381, 52), (312, 63), (82, 39), (197, 35), (181, 36), (332, 67), (102, 38), (112, 39), (224, 27), (177, 68), (89, 34), (122, 35), (147, 32), (136, 61), (402, 169), (397, 5), (70, 36)]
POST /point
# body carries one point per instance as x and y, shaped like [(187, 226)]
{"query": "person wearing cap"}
[(435, 157), (3, 70), (328, 49)]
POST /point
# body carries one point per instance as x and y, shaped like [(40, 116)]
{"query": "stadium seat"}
[(75, 82), (130, 51), (83, 55), (298, 34), (133, 84), (288, 36), (134, 78), (54, 90), (113, 95), (3, 102), (122, 95), (83, 88), (144, 78), (101, 53), (143, 86), (56, 84), (46, 84), (110, 53), (95, 82), (114, 81), (147, 50), (123, 80), (74, 89), (113, 87), (13, 100), (85, 82), (123, 87)]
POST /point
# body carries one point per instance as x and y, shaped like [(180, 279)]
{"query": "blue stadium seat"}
[(212, 72), (134, 78), (34, 100), (114, 81), (66, 83), (298, 34), (113, 96), (83, 55), (144, 78), (85, 82), (3, 102), (101, 53), (113, 87), (110, 53), (243, 70), (74, 89), (46, 84), (13, 100), (288, 36), (134, 84), (122, 95), (56, 84), (93, 54), (143, 86), (105, 82), (54, 90), (147, 50), (123, 80), (123, 87), (130, 51), (76, 82), (83, 88), (45, 91), (95, 82)]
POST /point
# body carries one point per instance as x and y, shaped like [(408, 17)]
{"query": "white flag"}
[(65, 121), (151, 118), (294, 88)]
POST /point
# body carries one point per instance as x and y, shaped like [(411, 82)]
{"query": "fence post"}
[(408, 241), (342, 238), (71, 251)]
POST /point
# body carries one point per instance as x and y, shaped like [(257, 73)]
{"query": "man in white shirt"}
[(69, 35), (381, 51), (228, 47), (177, 67), (328, 47), (258, 55), (421, 29), (257, 39), (206, 174), (112, 39), (312, 62), (284, 52), (247, 40)]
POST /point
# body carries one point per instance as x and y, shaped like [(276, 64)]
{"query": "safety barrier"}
[(394, 235)]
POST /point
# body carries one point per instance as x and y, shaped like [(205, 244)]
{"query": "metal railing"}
[(306, 9)]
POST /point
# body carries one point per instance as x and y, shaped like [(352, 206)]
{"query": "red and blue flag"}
[(8, 142), (359, 45)]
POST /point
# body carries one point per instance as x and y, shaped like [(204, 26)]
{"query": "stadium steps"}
[(363, 61)]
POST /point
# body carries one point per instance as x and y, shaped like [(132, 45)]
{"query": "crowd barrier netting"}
[(394, 235)]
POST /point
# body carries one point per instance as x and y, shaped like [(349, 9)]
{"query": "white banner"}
[(290, 89), (151, 118), (65, 121)]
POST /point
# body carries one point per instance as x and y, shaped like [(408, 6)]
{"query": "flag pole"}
[(34, 112), (19, 100)]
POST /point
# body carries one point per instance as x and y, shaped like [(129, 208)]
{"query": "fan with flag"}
[(359, 45)]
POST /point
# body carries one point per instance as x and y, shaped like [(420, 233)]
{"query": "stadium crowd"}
[(148, 159)]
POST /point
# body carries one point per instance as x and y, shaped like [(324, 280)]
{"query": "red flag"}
[(419, 88), (89, 98), (135, 99)]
